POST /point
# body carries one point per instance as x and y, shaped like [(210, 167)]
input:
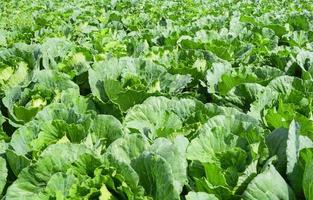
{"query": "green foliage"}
[(156, 99)]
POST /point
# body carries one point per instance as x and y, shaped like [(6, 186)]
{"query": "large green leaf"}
[(156, 176), (307, 182), (163, 117), (200, 196), (268, 185), (3, 174)]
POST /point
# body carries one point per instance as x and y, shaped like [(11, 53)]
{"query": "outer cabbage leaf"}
[(307, 183), (268, 185), (200, 196), (3, 135), (3, 174), (223, 78), (162, 117), (156, 176)]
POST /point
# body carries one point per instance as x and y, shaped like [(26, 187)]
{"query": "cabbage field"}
[(156, 99)]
